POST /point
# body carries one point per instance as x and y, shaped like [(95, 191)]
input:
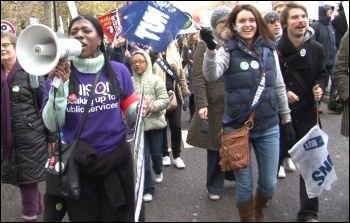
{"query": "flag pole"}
[(194, 22), (55, 15)]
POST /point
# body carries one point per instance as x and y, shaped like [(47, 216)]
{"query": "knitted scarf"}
[(6, 130)]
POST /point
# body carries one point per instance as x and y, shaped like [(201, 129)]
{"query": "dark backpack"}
[(336, 104)]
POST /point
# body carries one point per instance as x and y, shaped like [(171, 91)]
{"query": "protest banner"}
[(152, 23), (137, 142), (110, 24)]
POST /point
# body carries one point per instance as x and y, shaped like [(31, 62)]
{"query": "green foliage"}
[(214, 5), (18, 11)]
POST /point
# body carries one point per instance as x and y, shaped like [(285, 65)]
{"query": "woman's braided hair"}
[(111, 75)]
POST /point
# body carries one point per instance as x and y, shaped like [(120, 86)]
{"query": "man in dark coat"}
[(340, 24), (324, 34), (300, 53)]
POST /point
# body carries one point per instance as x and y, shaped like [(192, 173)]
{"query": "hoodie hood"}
[(294, 57), (148, 61), (326, 7), (340, 7), (322, 14), (310, 32)]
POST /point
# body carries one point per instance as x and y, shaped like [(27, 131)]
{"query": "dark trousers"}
[(174, 123), (30, 199), (94, 192), (308, 206), (284, 147), (283, 154), (55, 209), (191, 106), (153, 148), (215, 176), (93, 204)]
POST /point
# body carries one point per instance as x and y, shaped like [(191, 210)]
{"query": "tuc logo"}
[(321, 173), (313, 143)]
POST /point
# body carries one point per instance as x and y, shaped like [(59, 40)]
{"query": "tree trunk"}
[(48, 14)]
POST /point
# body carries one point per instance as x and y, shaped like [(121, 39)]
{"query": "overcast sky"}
[(189, 5)]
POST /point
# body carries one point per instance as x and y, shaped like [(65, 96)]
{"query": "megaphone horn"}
[(39, 50)]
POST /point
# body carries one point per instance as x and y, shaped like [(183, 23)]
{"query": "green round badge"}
[(188, 24), (15, 88), (244, 65), (59, 206)]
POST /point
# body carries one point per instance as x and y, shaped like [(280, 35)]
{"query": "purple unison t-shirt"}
[(104, 126)]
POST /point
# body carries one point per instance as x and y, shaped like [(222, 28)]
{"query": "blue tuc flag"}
[(152, 23)]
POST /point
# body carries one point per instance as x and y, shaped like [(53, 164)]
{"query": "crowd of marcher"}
[(213, 72)]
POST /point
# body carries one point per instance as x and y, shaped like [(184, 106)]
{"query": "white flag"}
[(311, 157), (72, 9), (138, 152)]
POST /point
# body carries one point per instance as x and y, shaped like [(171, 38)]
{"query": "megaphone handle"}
[(56, 82)]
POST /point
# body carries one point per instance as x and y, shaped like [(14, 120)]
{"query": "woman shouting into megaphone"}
[(107, 194)]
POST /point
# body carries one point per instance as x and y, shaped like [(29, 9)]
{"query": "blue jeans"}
[(266, 147), (153, 147), (174, 122)]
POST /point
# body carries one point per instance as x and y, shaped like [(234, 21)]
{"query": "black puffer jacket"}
[(29, 134)]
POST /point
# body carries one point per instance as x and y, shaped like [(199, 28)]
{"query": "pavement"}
[(182, 196)]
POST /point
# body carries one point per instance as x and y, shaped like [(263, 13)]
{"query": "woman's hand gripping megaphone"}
[(60, 73)]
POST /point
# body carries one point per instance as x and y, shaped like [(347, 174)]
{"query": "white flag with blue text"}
[(312, 158), (138, 154)]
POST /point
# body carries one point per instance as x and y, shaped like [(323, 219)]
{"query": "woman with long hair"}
[(246, 62)]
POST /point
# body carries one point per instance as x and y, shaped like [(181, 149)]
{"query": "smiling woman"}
[(238, 69)]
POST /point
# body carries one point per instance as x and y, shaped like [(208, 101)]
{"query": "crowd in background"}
[(214, 72)]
